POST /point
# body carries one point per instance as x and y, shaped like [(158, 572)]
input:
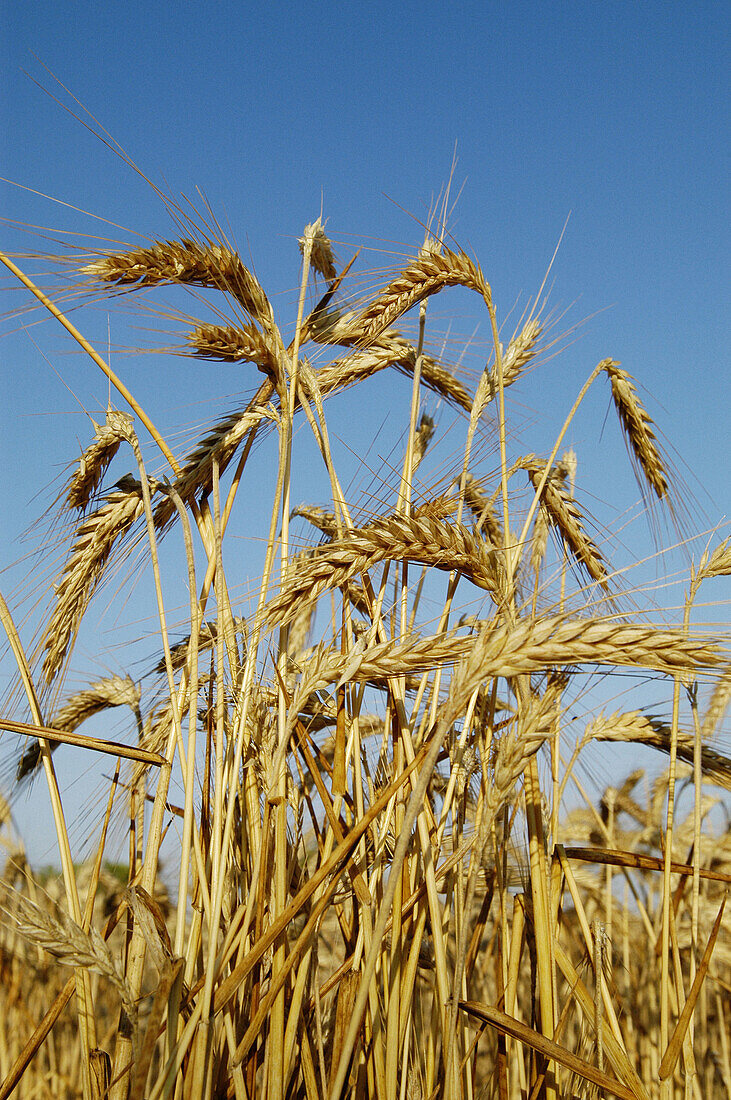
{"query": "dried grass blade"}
[(339, 857), (670, 1058), (96, 744), (508, 1025), (152, 1027), (646, 863), (612, 1048)]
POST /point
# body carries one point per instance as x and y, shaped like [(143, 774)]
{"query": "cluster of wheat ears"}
[(352, 776)]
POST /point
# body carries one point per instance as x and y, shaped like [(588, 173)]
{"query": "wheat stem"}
[(116, 382)]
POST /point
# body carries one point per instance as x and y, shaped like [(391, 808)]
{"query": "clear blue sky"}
[(616, 114)]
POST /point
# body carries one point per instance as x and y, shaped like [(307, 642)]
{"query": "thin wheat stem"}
[(189, 774), (116, 382), (136, 959)]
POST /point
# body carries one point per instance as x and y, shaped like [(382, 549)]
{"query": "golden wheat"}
[(563, 513), (93, 543), (208, 264), (352, 780), (434, 269), (422, 537), (96, 458), (645, 729), (638, 428)]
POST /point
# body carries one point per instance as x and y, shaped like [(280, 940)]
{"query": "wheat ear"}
[(95, 459), (220, 444), (433, 270), (233, 344), (638, 429), (422, 537), (716, 564), (322, 258), (482, 509), (207, 264), (534, 646), (645, 729), (93, 543), (521, 350), (389, 349), (564, 515), (70, 944), (718, 705)]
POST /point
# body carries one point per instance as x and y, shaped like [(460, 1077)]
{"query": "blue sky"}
[(614, 114)]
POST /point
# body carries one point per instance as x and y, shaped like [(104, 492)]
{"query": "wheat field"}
[(388, 879)]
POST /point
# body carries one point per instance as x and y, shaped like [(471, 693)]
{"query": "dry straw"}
[(112, 691)]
